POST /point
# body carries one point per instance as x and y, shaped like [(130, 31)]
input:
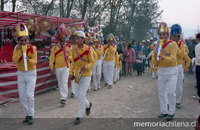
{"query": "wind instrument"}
[(24, 48), (159, 48)]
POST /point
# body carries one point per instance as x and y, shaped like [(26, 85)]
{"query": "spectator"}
[(191, 47), (134, 45), (139, 64), (120, 48), (129, 54), (123, 61), (144, 51), (197, 62)]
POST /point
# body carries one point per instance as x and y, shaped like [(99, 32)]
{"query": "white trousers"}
[(116, 74), (80, 93), (72, 86), (96, 73), (179, 85), (108, 71), (167, 78), (153, 74), (26, 86), (62, 75)]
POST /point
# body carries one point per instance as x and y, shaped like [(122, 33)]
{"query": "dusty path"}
[(131, 98)]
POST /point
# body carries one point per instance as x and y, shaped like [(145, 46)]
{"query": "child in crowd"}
[(139, 64)]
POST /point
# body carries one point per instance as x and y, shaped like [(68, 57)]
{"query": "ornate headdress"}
[(21, 30), (163, 28), (176, 30)]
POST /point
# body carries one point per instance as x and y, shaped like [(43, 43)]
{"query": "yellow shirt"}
[(76, 65), (57, 56), (109, 52), (186, 47), (186, 61), (99, 51), (118, 62), (94, 54), (18, 57), (180, 52), (167, 61), (116, 58)]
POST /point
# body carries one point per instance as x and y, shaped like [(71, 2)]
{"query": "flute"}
[(159, 49), (24, 48)]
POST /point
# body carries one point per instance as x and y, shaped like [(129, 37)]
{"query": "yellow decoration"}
[(95, 39), (22, 30), (163, 28)]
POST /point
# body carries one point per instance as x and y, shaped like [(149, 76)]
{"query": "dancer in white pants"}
[(82, 64), (96, 73), (26, 74), (109, 61), (182, 57), (108, 71), (60, 56), (164, 55)]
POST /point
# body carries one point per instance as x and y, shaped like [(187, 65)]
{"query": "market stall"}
[(42, 30)]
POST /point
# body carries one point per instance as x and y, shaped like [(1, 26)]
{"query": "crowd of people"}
[(80, 61)]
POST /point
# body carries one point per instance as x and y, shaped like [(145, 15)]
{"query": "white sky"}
[(184, 12)]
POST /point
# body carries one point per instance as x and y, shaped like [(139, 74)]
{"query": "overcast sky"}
[(184, 12)]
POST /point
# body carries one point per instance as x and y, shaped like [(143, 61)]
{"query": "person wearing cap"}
[(82, 64), (25, 56), (144, 52), (109, 61), (197, 63), (60, 56), (96, 71), (182, 56), (164, 55)]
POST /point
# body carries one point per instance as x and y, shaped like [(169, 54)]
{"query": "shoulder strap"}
[(166, 44), (81, 55)]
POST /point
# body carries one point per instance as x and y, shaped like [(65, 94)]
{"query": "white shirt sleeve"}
[(197, 53)]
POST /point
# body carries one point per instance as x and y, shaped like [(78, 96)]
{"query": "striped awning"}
[(8, 82)]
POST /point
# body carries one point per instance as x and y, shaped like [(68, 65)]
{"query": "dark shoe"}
[(31, 120), (110, 86), (106, 85), (169, 117), (114, 82), (178, 105), (62, 102), (77, 121), (26, 119), (88, 110), (72, 95), (162, 115)]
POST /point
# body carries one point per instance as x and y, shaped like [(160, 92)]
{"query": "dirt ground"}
[(132, 99)]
